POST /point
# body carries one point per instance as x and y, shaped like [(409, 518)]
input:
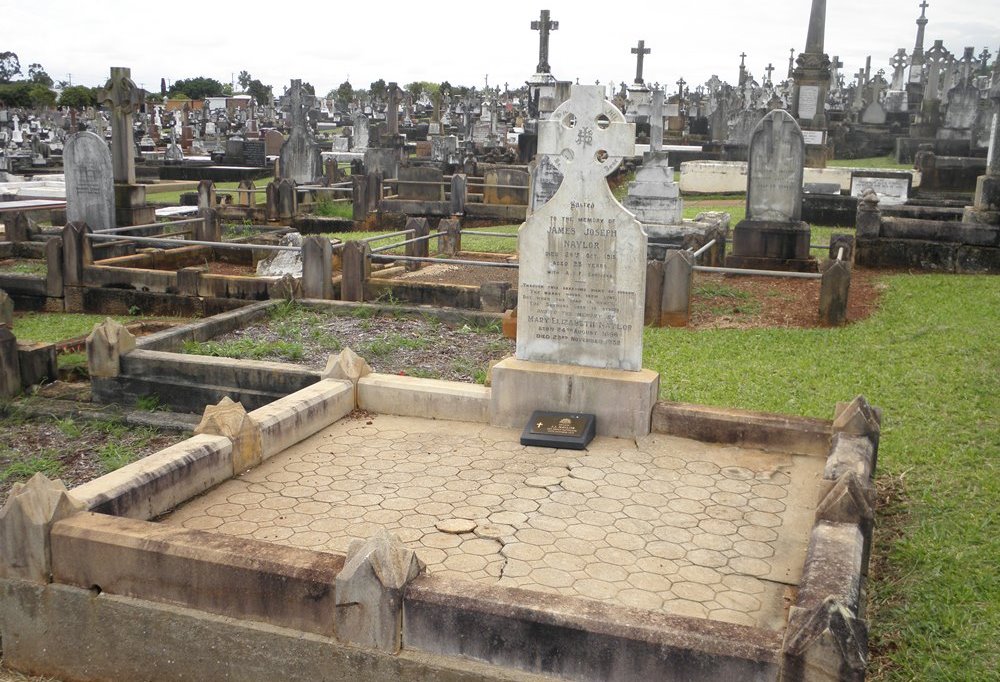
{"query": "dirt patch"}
[(219, 268), (70, 450), (22, 266), (745, 302), (392, 344), (474, 275)]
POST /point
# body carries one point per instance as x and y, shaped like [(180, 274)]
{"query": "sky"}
[(468, 42)]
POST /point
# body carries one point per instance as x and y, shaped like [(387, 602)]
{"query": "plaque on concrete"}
[(808, 102), (893, 189), (582, 254), (90, 190), (559, 430), (815, 137)]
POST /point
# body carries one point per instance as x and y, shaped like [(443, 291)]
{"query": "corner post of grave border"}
[(26, 521), (230, 419), (77, 252), (106, 344), (347, 366), (368, 592)]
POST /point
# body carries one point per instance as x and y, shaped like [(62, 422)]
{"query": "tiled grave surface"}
[(666, 524)]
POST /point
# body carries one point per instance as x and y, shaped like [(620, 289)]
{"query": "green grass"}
[(21, 470), (469, 242), (174, 197), (55, 327), (329, 209), (929, 357), (884, 162), (247, 349), (25, 268), (393, 342)]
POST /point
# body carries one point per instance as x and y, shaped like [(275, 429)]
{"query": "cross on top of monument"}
[(900, 59), (543, 26), (837, 63), (680, 86), (770, 70), (124, 97), (923, 8), (640, 51), (743, 57), (586, 133)]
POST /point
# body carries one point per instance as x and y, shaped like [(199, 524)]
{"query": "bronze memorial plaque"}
[(559, 430)]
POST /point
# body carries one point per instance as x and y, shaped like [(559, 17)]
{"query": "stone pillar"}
[(288, 199), (210, 227), (189, 280), (374, 195), (247, 197), (77, 252), (459, 194), (869, 220), (10, 368), (317, 268), (271, 201), (656, 122), (18, 228), (833, 292), (206, 195), (368, 592), (356, 271), (6, 310), (54, 267), (654, 293), (420, 228), (450, 240), (105, 346), (26, 521), (359, 197), (678, 272)]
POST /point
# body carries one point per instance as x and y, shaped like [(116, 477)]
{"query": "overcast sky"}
[(324, 43)]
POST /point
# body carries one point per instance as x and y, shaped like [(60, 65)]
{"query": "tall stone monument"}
[(812, 78), (90, 188), (299, 159), (123, 98), (773, 236), (986, 209), (581, 283)]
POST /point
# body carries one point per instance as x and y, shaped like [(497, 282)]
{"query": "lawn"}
[(881, 162), (930, 357), (173, 198)]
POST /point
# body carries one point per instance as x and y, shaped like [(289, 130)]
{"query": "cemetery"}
[(548, 380)]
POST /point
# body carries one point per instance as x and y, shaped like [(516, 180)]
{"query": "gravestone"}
[(582, 255), (90, 189), (773, 236), (653, 196), (421, 184), (444, 149), (582, 281), (272, 142), (253, 153), (361, 134), (507, 186)]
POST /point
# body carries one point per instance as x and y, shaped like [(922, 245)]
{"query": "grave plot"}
[(420, 345)]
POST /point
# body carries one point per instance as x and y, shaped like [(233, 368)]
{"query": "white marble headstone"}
[(90, 188), (582, 272), (774, 171)]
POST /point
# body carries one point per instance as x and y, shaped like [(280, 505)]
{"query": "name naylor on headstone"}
[(893, 189), (582, 254), (90, 189)]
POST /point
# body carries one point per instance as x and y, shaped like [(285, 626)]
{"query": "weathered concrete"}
[(231, 420), (70, 633), (297, 416), (150, 486), (621, 400), (109, 341), (417, 397), (26, 520)]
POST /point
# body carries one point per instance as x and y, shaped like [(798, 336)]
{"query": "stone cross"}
[(984, 59), (966, 64), (770, 70), (296, 106), (583, 255), (543, 26), (680, 90), (124, 99), (899, 62), (936, 57), (640, 51)]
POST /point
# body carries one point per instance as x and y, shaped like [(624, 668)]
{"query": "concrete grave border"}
[(111, 566)]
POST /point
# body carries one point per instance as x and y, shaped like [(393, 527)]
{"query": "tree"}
[(378, 89), (307, 87), (10, 66), (199, 87), (244, 79), (77, 97), (41, 96), (15, 94), (344, 92), (260, 92), (36, 74)]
